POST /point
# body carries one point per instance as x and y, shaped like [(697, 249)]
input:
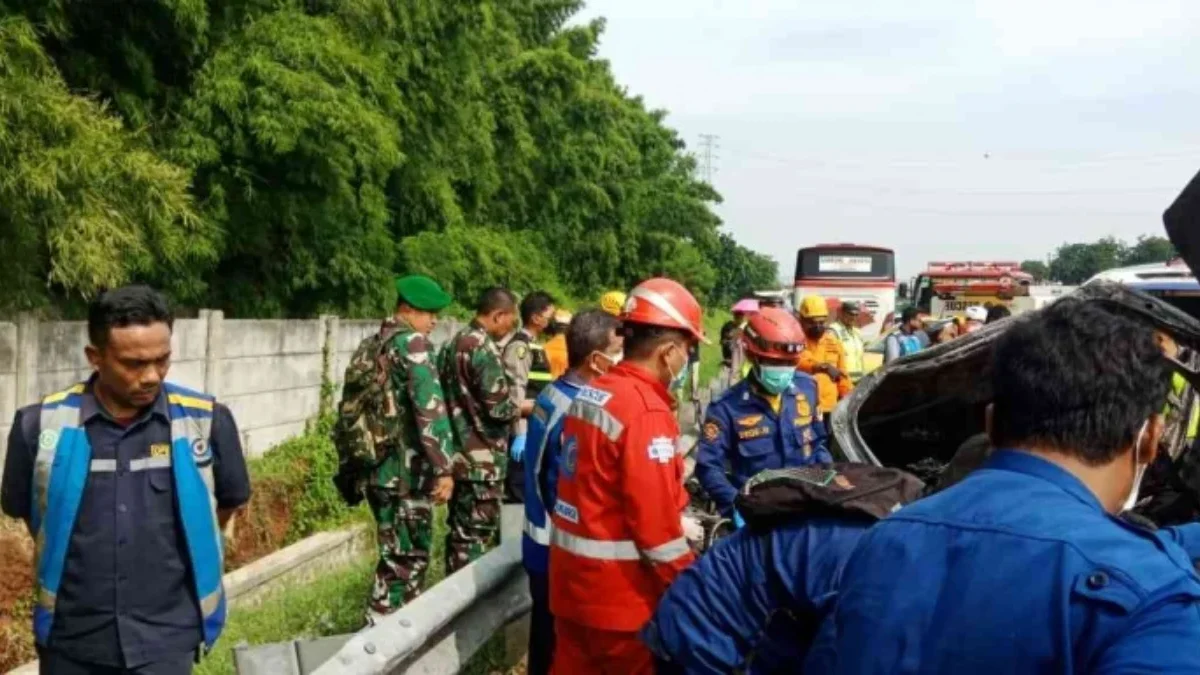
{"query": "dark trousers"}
[(541, 626), (514, 483), (54, 663)]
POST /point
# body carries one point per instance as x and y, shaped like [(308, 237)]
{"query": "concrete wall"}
[(268, 372)]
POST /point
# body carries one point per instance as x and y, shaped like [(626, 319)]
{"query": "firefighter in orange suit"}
[(618, 538)]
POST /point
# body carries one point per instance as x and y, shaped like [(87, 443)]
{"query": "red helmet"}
[(666, 303), (773, 333)]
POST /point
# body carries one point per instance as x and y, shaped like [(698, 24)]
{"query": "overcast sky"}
[(946, 129)]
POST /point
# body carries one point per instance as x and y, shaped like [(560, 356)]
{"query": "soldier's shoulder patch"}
[(596, 397), (711, 431), (749, 420), (521, 350)]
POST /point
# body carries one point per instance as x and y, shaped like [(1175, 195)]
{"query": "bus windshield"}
[(846, 263)]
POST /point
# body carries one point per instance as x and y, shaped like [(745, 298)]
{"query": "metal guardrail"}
[(439, 632), (435, 634)]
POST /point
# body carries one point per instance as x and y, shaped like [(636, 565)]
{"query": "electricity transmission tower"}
[(708, 148)]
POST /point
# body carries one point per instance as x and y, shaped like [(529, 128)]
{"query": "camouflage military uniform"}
[(421, 449), (482, 414)]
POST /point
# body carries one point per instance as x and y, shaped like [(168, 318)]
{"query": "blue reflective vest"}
[(542, 447), (743, 432), (64, 459)]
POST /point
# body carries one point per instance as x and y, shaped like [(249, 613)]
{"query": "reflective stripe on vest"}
[(540, 535), (64, 460), (561, 403), (597, 549)]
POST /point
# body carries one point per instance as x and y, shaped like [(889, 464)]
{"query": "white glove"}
[(692, 529)]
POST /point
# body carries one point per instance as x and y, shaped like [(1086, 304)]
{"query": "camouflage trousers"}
[(405, 536), (473, 521)]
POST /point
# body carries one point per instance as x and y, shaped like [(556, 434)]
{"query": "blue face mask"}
[(776, 379)]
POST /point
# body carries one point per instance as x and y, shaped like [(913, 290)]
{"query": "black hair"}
[(533, 304), (997, 312), (1077, 378), (909, 313), (641, 340), (495, 299), (126, 306), (589, 332)]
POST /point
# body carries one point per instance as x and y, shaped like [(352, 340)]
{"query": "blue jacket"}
[(742, 431), (64, 461), (715, 613), (1017, 569), (542, 447)]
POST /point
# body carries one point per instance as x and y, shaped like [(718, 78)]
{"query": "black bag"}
[(844, 490)]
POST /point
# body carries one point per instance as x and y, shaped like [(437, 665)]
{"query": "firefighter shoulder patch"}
[(711, 431)]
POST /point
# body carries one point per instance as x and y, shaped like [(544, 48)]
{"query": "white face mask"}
[(1139, 469), (613, 359)]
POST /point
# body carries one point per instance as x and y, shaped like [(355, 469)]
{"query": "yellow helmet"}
[(613, 302), (813, 307)]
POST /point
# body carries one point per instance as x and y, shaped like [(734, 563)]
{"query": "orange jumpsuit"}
[(828, 349), (617, 541)]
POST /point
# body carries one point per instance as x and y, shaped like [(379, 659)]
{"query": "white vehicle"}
[(850, 273), (1171, 281)]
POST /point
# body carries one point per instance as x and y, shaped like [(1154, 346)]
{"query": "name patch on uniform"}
[(749, 420), (594, 396), (47, 439), (566, 512), (756, 432), (661, 449), (160, 450), (711, 431)]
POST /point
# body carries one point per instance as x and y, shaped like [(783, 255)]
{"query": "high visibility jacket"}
[(617, 540), (852, 344), (542, 449), (556, 355), (826, 350), (64, 460)]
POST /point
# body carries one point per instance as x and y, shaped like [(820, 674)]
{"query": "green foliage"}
[(77, 188), (1037, 268), (331, 144), (305, 466), (1076, 263), (331, 605)]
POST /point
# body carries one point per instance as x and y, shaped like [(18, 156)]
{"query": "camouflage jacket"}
[(422, 427), (477, 396)]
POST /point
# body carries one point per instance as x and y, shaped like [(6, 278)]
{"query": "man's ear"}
[(93, 356)]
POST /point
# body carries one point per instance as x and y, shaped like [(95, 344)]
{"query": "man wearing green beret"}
[(392, 393)]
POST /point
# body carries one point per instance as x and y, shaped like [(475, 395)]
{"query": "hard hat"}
[(773, 333), (562, 316), (851, 307), (813, 307), (666, 303), (976, 313), (613, 302)]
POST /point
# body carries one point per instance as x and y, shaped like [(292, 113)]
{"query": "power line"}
[(709, 146)]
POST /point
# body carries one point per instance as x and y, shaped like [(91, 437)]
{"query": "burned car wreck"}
[(925, 413)]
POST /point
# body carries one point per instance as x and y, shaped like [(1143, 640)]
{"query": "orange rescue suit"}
[(828, 350)]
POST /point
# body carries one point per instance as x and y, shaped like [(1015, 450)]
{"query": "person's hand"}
[(443, 487), (693, 531), (516, 450), (738, 522)]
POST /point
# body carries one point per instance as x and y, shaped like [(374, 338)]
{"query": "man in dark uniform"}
[(117, 479), (528, 372)]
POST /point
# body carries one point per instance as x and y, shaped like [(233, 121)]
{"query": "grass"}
[(710, 355), (331, 605)]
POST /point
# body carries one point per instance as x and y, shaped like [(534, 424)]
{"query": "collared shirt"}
[(748, 432), (126, 597), (1017, 569)]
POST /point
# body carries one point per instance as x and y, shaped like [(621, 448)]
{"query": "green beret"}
[(422, 293)]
